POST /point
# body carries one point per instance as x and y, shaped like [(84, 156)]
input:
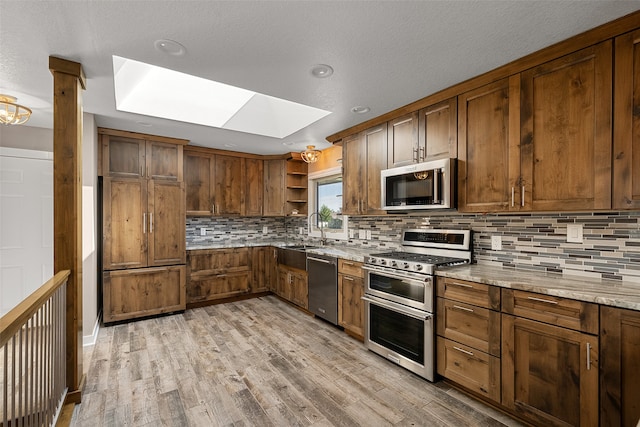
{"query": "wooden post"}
[(68, 83)]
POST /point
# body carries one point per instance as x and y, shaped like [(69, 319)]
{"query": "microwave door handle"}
[(436, 184)]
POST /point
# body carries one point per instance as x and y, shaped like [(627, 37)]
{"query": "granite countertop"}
[(601, 291), (344, 252)]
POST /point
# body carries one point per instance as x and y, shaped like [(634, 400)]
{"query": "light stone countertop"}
[(602, 291)]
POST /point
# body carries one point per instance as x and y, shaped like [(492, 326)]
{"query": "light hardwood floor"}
[(257, 362)]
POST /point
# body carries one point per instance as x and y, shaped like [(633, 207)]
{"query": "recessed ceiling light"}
[(170, 47), (159, 92), (321, 71), (360, 109)]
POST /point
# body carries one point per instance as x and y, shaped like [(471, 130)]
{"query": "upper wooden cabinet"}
[(403, 141), (626, 122), (363, 157), (253, 188), (229, 182), (275, 171), (566, 132), (198, 177), (438, 131), (488, 151), (130, 155)]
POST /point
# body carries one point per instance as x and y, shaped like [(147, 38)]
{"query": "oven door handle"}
[(397, 308), (401, 274)]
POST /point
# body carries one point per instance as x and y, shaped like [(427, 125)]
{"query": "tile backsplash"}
[(537, 242)]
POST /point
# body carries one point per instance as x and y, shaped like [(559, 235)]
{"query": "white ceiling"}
[(385, 54)]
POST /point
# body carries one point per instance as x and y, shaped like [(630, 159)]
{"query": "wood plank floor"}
[(257, 362)]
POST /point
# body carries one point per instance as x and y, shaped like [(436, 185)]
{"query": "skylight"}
[(159, 92)]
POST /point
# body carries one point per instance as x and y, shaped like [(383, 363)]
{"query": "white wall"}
[(32, 138)]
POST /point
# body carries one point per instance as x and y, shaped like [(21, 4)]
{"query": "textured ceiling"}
[(385, 53)]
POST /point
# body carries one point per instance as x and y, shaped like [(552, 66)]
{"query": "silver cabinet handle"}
[(422, 153), (347, 263), (588, 356), (458, 307), (463, 351), (462, 285), (436, 184), (347, 278), (522, 199), (512, 196), (548, 301), (151, 222), (415, 154), (144, 223)]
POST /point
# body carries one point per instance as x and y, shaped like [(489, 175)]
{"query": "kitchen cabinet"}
[(130, 155), (293, 286), (275, 171), (626, 122), (263, 268), (215, 274), (296, 188), (229, 185), (350, 292), (402, 140), (566, 132), (488, 147), (468, 335), (253, 189), (141, 292), (550, 372), (363, 157), (438, 131), (620, 376), (198, 176)]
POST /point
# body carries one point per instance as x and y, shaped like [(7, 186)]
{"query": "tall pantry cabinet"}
[(143, 225)]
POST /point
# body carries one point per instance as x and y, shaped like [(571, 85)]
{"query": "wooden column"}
[(68, 83)]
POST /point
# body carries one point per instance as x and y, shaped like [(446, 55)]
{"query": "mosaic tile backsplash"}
[(535, 242)]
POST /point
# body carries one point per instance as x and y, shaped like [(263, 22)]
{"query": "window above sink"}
[(325, 205)]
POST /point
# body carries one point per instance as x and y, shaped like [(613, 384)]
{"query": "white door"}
[(26, 223)]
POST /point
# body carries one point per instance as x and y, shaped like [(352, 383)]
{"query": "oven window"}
[(409, 289), (397, 332)]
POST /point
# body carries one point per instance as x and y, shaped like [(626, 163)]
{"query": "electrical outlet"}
[(203, 231), (368, 234), (352, 233), (574, 233), (496, 243), (265, 229), (362, 234), (301, 230)]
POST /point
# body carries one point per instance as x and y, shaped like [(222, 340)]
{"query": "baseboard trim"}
[(89, 340)]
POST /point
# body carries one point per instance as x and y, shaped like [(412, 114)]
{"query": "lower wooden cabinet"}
[(263, 268), (293, 286), (218, 273), (350, 292), (549, 373), (140, 292), (620, 365)]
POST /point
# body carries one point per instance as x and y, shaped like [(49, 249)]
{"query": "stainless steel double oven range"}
[(399, 296)]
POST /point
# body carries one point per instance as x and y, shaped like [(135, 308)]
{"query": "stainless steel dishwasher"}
[(322, 271)]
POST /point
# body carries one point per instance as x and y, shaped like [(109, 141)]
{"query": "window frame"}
[(313, 231)]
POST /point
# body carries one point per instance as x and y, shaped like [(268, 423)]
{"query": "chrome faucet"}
[(323, 238)]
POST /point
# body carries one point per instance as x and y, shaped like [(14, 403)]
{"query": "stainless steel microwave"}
[(428, 185)]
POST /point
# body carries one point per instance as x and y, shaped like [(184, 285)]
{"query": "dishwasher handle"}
[(326, 261)]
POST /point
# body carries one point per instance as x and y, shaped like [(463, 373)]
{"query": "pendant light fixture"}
[(12, 113), (310, 155)]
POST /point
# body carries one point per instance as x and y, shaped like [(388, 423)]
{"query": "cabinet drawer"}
[(470, 292), (473, 369), (567, 313), (351, 268), (467, 324), (216, 286)]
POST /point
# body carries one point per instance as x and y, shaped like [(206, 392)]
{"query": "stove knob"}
[(418, 267), (382, 262), (394, 264), (406, 266)]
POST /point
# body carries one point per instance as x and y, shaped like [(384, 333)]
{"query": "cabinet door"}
[(438, 132), (626, 122), (299, 289), (285, 283), (549, 374), (488, 151), (164, 161), (125, 219), (166, 223), (123, 157), (350, 306), (403, 141), (260, 268), (620, 376), (229, 185), (354, 163), (566, 132), (142, 292), (274, 191), (198, 179), (253, 189), (375, 147)]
